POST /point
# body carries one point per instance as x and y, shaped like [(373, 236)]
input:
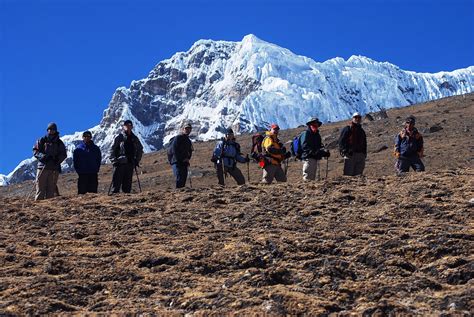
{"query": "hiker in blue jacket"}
[(312, 149), (86, 159), (409, 148), (225, 157)]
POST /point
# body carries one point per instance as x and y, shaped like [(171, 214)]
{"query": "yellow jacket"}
[(272, 149)]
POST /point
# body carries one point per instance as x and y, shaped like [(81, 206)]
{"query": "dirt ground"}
[(375, 245)]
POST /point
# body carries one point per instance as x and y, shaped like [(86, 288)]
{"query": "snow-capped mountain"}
[(249, 84)]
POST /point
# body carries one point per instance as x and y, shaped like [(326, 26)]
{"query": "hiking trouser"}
[(354, 165), (46, 183), (404, 164), (271, 171), (181, 174), (235, 172), (310, 166), (87, 183), (122, 177)]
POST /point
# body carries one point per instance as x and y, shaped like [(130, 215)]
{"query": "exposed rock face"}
[(248, 85)]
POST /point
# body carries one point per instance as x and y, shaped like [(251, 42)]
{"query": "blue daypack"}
[(296, 148)]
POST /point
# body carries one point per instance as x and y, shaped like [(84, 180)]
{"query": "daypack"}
[(169, 150), (256, 150), (296, 147)]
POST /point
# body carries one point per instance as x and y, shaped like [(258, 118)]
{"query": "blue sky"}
[(62, 60)]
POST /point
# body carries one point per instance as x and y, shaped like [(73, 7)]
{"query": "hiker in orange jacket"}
[(275, 153)]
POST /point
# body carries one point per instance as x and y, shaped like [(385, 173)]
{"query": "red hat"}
[(275, 126)]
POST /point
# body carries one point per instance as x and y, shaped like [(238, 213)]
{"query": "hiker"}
[(86, 159), (125, 155), (225, 157), (179, 155), (312, 149), (353, 146), (50, 152), (274, 154), (409, 148)]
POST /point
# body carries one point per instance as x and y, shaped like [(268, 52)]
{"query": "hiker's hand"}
[(287, 154)]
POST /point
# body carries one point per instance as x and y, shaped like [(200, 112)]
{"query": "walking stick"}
[(190, 178), (138, 179), (34, 187), (318, 170), (112, 181), (248, 170), (327, 167), (286, 167)]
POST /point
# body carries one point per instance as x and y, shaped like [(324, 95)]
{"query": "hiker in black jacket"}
[(50, 152), (125, 155), (353, 146), (180, 152), (312, 149)]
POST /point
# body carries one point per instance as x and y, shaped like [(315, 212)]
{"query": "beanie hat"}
[(229, 131), (87, 133), (128, 122), (52, 126)]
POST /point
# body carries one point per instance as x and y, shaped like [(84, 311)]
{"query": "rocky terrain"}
[(374, 245)]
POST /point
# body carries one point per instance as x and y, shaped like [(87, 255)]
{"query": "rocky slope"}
[(373, 245), (249, 84)]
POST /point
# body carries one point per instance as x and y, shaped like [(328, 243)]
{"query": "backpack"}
[(256, 150), (296, 148), (169, 150)]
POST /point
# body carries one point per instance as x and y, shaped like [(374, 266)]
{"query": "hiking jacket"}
[(273, 149), (353, 140), (181, 150), (86, 158), (229, 152), (409, 144), (310, 144), (50, 152), (126, 149)]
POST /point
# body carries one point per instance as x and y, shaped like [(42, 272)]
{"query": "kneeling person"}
[(226, 155)]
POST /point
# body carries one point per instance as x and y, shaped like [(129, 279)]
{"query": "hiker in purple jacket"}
[(87, 158)]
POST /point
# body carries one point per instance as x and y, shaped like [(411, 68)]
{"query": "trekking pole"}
[(190, 178), (319, 171), (112, 181), (327, 167), (138, 180), (248, 171), (33, 189), (286, 167)]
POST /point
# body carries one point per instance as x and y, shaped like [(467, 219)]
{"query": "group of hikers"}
[(267, 150)]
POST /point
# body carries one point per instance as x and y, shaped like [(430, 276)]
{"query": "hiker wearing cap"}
[(86, 159), (50, 152), (409, 148), (312, 149), (125, 155), (353, 146), (274, 154), (179, 155), (225, 157)]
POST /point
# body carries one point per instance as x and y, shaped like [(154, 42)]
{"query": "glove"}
[(247, 158), (326, 154), (287, 154), (214, 159), (137, 164)]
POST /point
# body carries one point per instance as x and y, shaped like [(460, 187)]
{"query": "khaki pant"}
[(271, 171), (354, 165), (310, 167), (46, 184)]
